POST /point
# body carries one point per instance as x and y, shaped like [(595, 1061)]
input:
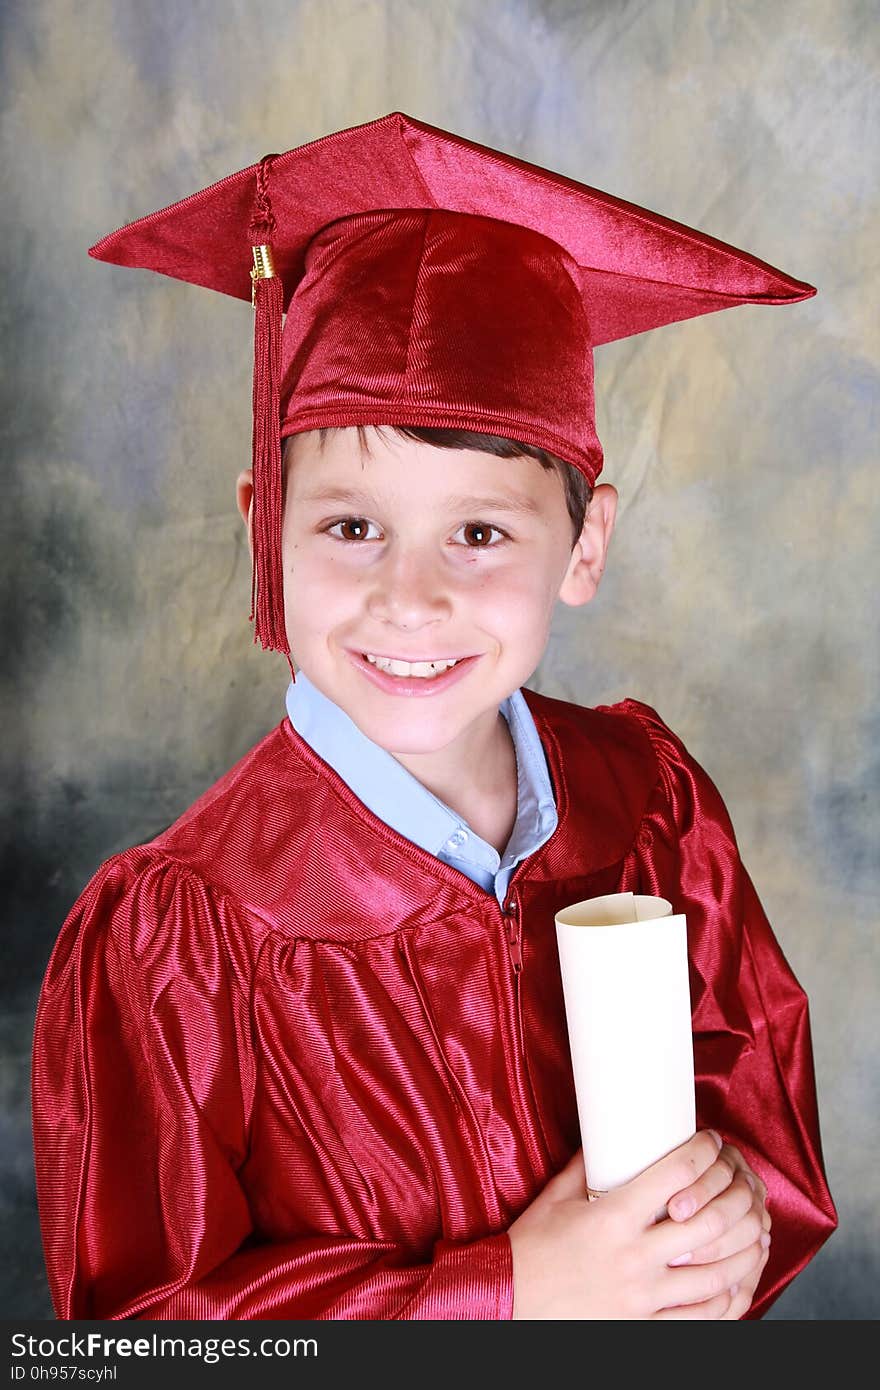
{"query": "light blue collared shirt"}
[(392, 793)]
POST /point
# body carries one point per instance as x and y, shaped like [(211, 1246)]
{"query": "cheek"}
[(526, 592), (515, 605), (316, 588)]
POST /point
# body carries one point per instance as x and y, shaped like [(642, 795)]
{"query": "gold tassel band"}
[(264, 268)]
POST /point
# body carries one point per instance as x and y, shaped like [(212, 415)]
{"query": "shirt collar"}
[(397, 797), (382, 783)]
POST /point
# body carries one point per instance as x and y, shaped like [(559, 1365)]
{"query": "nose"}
[(408, 590)]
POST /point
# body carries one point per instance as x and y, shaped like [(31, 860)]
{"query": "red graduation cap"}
[(429, 281)]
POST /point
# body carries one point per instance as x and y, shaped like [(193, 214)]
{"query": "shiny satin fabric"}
[(443, 319), (430, 280), (289, 1065)]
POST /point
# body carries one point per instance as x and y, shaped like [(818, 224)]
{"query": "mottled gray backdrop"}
[(737, 597)]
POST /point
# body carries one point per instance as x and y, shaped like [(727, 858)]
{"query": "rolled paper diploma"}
[(627, 1004)]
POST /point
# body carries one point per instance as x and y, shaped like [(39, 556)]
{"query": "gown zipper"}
[(533, 1131), (511, 931)]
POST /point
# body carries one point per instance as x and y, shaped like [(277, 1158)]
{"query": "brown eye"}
[(352, 528), (478, 535)]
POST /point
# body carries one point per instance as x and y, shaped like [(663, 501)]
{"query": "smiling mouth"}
[(423, 670)]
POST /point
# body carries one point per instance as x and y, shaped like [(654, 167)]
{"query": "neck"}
[(477, 780)]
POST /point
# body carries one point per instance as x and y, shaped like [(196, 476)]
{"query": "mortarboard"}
[(401, 274)]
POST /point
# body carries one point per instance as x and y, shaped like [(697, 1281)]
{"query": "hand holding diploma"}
[(625, 981), (613, 1259)]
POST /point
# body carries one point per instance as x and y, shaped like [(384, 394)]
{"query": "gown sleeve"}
[(142, 1063), (752, 1047)]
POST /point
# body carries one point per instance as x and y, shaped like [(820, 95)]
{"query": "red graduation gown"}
[(287, 1064)]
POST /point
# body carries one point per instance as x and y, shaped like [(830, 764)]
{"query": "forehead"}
[(345, 467)]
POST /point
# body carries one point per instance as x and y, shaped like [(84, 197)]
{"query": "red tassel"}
[(267, 576)]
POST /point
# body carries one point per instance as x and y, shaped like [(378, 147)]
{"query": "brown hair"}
[(578, 492)]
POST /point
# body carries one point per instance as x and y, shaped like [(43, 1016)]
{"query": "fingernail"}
[(681, 1259), (751, 1182), (734, 1290), (683, 1208), (765, 1239), (717, 1137)]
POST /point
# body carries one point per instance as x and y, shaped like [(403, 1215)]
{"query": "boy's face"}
[(415, 554)]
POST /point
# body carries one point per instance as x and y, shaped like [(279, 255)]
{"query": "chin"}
[(408, 730), (395, 739)]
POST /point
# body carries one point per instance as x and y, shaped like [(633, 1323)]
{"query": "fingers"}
[(699, 1283), (715, 1179), (716, 1308), (728, 1306), (735, 1157), (732, 1155), (675, 1173), (739, 1306), (730, 1222), (747, 1232), (741, 1302)]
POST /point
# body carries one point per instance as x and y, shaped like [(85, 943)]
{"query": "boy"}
[(304, 1055)]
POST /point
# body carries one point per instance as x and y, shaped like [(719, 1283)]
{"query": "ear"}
[(244, 496), (587, 563)]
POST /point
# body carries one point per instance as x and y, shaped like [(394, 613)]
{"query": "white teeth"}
[(425, 669)]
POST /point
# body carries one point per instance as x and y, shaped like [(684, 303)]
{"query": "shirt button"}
[(458, 838)]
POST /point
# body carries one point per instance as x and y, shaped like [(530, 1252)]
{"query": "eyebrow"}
[(513, 503)]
